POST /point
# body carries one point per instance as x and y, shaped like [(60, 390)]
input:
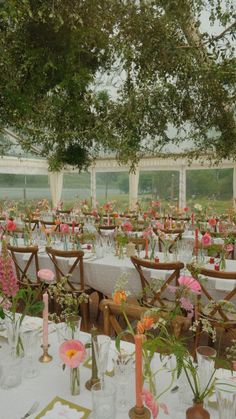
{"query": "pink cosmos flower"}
[(127, 226), (206, 239), (189, 282), (64, 228), (95, 213), (46, 275), (159, 225), (11, 225), (72, 353)]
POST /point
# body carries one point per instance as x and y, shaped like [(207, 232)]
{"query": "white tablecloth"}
[(53, 381), (101, 274)]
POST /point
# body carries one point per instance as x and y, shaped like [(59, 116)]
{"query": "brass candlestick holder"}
[(139, 413), (94, 379), (45, 357)]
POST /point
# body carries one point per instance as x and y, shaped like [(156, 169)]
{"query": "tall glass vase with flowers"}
[(66, 316), (122, 241), (16, 302)]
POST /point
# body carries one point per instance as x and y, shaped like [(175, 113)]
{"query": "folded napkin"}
[(60, 408)]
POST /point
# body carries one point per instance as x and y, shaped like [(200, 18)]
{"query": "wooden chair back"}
[(178, 236), (50, 224), (66, 271), (217, 314), (139, 242), (114, 322), (22, 270), (142, 266)]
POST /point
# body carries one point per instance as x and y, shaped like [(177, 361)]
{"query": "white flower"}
[(198, 207)]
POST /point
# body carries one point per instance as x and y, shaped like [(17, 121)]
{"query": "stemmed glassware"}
[(101, 345)]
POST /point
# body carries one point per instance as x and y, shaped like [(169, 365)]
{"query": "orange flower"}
[(119, 297), (145, 324)]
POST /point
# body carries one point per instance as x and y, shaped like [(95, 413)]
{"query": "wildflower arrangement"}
[(67, 302)]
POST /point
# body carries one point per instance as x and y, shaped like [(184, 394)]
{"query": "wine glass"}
[(101, 345)]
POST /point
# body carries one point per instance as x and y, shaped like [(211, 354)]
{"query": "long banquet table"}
[(102, 273), (52, 381)]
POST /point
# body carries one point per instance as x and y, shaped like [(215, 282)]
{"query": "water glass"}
[(10, 371), (104, 401), (226, 398), (31, 343), (101, 345), (123, 368)]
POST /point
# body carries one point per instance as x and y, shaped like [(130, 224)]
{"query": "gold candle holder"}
[(45, 357), (139, 413)]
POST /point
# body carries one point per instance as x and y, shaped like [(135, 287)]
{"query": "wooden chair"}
[(50, 224), (158, 297), (178, 236), (139, 242), (22, 269), (114, 323), (216, 314), (32, 223), (75, 288)]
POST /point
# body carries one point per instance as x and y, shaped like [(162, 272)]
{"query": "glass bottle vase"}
[(74, 381)]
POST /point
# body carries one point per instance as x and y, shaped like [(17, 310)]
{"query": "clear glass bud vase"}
[(74, 381)]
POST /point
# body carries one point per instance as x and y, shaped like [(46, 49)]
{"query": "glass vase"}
[(149, 380), (74, 381), (166, 253), (121, 252), (226, 398), (13, 326), (153, 246), (222, 262)]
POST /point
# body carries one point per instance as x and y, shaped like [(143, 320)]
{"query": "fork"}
[(33, 409)]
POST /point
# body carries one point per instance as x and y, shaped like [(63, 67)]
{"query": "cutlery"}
[(33, 409)]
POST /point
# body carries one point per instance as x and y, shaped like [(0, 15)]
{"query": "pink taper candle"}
[(138, 339), (45, 320)]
